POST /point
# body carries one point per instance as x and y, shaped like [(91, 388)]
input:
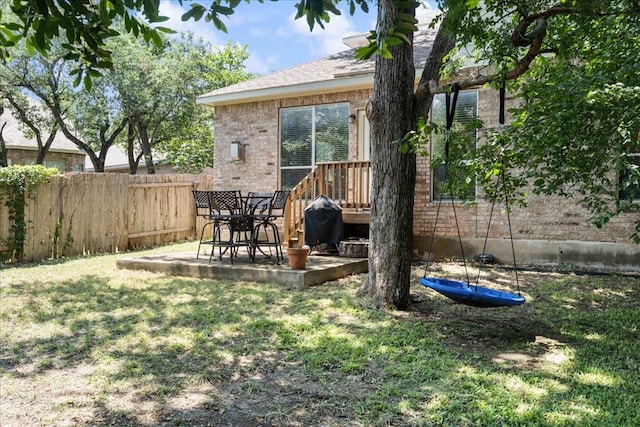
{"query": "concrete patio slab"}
[(319, 268)]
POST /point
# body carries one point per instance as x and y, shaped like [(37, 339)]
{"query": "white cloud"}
[(202, 29), (258, 64), (322, 41)]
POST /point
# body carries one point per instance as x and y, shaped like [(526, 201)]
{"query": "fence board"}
[(4, 225), (39, 215)]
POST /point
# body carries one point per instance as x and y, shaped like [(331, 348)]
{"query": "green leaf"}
[(222, 10), (384, 52), (159, 18), (219, 24), (472, 4), (406, 27), (157, 40), (366, 52), (401, 36), (78, 79), (196, 13), (405, 17), (166, 30), (394, 41), (93, 72)]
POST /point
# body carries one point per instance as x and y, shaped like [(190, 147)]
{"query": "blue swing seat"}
[(474, 295)]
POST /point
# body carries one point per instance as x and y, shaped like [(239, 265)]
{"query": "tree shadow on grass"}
[(153, 343), (572, 343), (177, 351)]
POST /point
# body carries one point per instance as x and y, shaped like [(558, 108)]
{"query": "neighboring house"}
[(63, 154), (304, 128), (117, 161)]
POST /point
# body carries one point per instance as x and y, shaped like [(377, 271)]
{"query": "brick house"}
[(21, 150), (305, 127)]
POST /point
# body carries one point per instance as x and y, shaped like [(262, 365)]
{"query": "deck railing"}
[(347, 183)]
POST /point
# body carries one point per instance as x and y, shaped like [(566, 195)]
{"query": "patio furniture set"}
[(241, 221)]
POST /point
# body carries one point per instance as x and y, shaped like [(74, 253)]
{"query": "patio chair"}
[(257, 204), (270, 237), (201, 199), (227, 212)]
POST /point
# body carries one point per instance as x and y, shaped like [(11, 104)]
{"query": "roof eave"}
[(363, 81), (50, 150)]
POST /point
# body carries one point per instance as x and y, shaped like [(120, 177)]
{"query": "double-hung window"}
[(466, 111), (48, 164), (312, 134), (629, 190)]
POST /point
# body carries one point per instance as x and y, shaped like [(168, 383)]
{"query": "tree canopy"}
[(146, 101), (575, 69)]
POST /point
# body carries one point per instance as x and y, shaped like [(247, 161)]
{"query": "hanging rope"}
[(468, 294), (501, 123), (450, 110)]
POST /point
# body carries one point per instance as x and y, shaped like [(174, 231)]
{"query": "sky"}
[(274, 39)]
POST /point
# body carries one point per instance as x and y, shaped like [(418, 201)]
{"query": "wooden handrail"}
[(346, 183)]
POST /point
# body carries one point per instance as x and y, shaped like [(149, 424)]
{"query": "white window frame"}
[(313, 136)]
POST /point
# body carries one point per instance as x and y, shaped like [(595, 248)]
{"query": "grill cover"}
[(322, 222)]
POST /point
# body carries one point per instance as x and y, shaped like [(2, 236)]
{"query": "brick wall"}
[(71, 160), (256, 125)]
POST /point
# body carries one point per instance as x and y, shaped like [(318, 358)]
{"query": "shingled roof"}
[(15, 138), (336, 73)]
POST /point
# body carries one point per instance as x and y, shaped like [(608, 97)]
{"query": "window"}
[(58, 165), (465, 113), (309, 135), (633, 188)]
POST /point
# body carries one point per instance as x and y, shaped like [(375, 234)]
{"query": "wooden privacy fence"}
[(100, 213)]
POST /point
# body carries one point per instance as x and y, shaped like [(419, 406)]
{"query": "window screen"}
[(466, 111), (309, 135), (632, 191)]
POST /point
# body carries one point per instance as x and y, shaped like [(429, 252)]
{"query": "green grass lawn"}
[(85, 344)]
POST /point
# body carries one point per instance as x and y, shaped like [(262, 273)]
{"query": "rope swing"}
[(466, 292)]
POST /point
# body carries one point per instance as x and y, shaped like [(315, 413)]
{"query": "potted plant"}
[(298, 256)]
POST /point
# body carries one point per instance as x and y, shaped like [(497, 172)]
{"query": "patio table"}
[(231, 216)]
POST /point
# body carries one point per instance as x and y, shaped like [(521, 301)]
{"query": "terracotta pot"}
[(297, 258)]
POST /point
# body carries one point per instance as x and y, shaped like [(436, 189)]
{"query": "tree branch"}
[(442, 45), (520, 38), (535, 49), (3, 145)]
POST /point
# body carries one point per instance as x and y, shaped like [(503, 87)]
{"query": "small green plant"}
[(17, 184)]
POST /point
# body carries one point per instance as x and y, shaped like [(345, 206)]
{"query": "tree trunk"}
[(133, 162), (146, 148), (3, 146), (390, 112), (393, 112)]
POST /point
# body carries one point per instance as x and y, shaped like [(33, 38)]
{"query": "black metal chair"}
[(266, 222), (228, 211), (201, 199), (257, 204)]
